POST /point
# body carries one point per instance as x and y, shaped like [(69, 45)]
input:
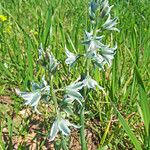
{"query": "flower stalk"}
[(64, 145), (82, 129), (53, 94)]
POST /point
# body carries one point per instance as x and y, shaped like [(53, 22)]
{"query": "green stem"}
[(82, 133), (82, 118), (88, 66), (64, 146), (53, 94)]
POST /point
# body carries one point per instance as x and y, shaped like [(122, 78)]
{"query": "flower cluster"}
[(96, 53)]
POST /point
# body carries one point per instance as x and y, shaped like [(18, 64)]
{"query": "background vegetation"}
[(27, 24)]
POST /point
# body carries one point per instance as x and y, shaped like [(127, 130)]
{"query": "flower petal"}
[(63, 127), (54, 130)]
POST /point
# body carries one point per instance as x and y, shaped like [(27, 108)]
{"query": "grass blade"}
[(144, 103), (47, 28), (128, 131), (145, 107)]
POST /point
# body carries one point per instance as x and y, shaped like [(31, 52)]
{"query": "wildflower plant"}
[(97, 54)]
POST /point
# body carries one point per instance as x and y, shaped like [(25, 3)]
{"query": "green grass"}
[(122, 115)]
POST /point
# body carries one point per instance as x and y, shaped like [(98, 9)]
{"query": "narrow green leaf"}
[(29, 58), (128, 130), (105, 134), (47, 28), (144, 103)]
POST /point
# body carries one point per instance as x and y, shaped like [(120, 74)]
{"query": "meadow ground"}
[(118, 120)]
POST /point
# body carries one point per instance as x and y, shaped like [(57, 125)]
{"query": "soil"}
[(33, 139)]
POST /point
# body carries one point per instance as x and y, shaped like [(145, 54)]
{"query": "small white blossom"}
[(71, 57), (105, 8), (31, 98), (38, 90), (72, 91), (52, 62), (110, 24), (108, 53), (62, 125), (91, 83), (92, 42)]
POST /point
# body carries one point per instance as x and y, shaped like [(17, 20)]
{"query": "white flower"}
[(52, 62), (101, 54), (99, 61), (108, 53), (75, 86), (31, 98), (70, 98), (105, 8), (91, 83), (101, 6), (38, 90), (71, 57), (72, 91), (62, 125), (92, 42), (110, 24)]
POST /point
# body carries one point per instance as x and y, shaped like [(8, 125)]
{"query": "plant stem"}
[(82, 133), (82, 118), (64, 146), (53, 94), (88, 67)]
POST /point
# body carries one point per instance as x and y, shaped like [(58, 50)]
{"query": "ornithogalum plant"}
[(96, 55)]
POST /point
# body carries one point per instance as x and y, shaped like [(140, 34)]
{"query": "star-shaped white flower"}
[(71, 57), (61, 125)]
